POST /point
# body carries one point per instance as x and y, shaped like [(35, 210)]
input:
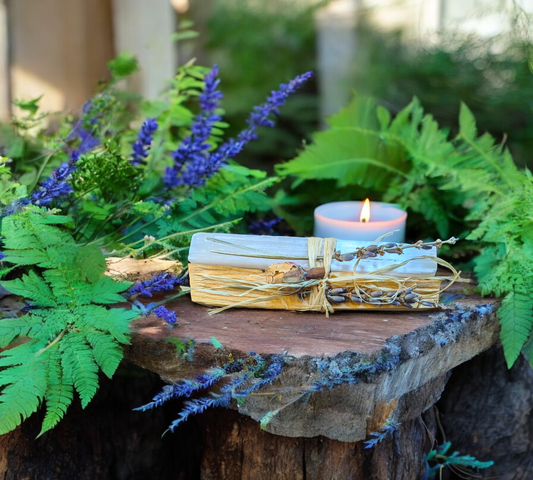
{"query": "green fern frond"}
[(32, 287), (107, 352), (26, 385), (104, 291), (11, 328), (59, 393), (79, 366), (71, 333), (516, 320), (112, 321)]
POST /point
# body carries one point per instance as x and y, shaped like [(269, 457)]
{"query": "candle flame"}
[(365, 211)]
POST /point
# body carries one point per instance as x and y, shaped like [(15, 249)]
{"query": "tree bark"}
[(487, 411), (236, 448), (106, 440)]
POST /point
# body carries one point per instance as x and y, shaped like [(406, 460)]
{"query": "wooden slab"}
[(275, 332), (391, 365)]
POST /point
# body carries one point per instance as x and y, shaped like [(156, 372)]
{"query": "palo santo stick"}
[(207, 289)]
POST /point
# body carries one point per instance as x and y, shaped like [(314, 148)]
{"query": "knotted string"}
[(318, 300)]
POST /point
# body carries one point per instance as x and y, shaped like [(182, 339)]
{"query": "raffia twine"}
[(317, 299)]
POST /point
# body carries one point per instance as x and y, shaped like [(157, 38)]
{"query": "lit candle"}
[(348, 221)]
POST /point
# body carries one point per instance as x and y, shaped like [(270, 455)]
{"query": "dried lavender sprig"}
[(142, 145), (167, 315), (191, 157), (388, 429), (184, 388), (160, 282), (371, 251)]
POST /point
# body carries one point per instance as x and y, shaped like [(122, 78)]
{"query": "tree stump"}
[(375, 368), (486, 411)]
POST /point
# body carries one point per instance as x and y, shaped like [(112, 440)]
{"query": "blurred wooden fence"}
[(60, 48)]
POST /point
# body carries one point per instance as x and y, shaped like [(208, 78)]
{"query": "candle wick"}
[(364, 220)]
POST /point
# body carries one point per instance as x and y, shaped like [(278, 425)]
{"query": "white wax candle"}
[(341, 220)]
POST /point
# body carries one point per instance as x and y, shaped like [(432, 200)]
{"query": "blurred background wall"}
[(443, 51)]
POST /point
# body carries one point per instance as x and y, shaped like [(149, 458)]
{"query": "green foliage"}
[(69, 333), (438, 459), (122, 66), (9, 190), (98, 202), (491, 73), (258, 45), (443, 180)]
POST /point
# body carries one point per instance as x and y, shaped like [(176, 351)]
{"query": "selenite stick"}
[(249, 251)]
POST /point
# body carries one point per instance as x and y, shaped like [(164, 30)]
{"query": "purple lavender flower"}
[(161, 282), (193, 163), (167, 315), (88, 141), (264, 227), (260, 115), (144, 141), (15, 207), (2, 256), (56, 185), (191, 158)]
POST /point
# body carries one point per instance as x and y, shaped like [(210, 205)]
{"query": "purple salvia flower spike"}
[(167, 315), (56, 185), (191, 157), (258, 118), (143, 143)]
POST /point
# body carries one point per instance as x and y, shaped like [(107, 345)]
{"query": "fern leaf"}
[(467, 123), (516, 322), (347, 155), (59, 393), (26, 389), (30, 256), (90, 261), (106, 291), (115, 321), (107, 352), (79, 366), (360, 112), (33, 287), (10, 328), (16, 356)]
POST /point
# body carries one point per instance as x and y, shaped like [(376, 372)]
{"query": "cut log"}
[(395, 367), (366, 361)]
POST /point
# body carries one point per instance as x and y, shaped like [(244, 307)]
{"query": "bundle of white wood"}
[(229, 270)]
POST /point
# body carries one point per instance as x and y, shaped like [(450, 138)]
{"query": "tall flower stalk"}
[(142, 145), (191, 158), (193, 161)]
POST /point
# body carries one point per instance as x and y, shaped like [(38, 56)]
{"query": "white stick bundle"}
[(261, 251)]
